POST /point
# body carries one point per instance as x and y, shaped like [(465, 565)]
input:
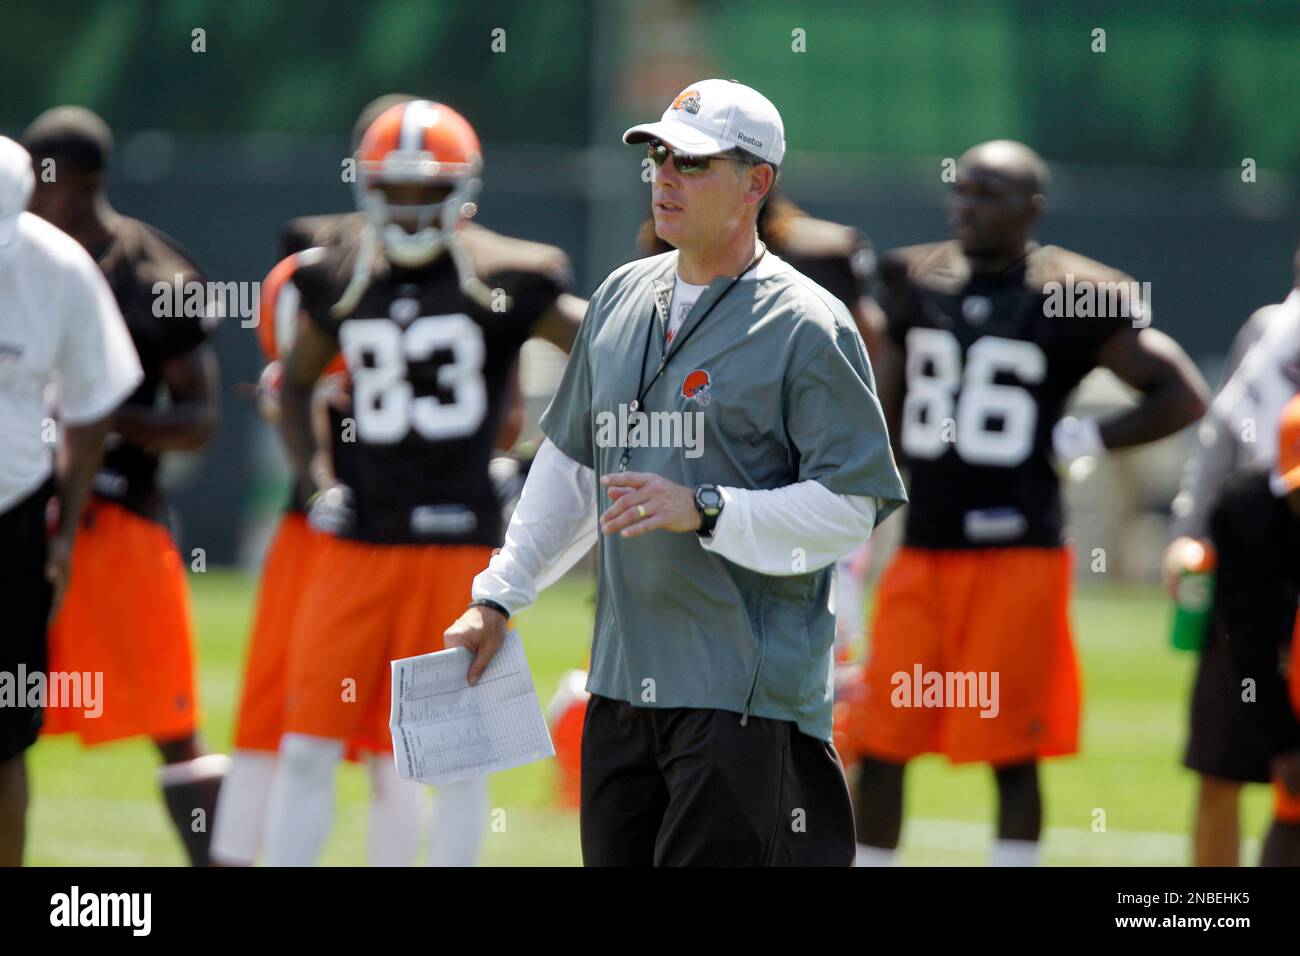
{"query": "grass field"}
[(100, 806)]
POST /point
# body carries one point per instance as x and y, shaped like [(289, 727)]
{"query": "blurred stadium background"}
[(1147, 143)]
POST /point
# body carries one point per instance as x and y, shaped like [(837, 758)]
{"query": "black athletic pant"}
[(25, 597), (684, 786)]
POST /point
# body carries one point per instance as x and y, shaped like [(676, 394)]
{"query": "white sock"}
[(874, 856), (395, 811), (458, 822), (1014, 853), (190, 771), (241, 808), (302, 800)]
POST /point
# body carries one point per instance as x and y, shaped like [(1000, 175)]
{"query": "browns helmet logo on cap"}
[(696, 386), (688, 100)]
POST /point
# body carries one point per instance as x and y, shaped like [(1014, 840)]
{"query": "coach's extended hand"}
[(481, 631), (644, 502)]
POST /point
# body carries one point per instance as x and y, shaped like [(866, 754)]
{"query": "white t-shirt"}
[(1264, 381), (60, 326), (685, 296)]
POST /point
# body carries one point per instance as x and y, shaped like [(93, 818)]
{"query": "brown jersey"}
[(162, 295), (990, 361), (430, 368)]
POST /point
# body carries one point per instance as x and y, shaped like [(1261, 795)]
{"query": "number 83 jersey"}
[(430, 370), (989, 362)]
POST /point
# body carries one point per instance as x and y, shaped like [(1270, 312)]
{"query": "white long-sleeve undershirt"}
[(790, 530), (782, 531)]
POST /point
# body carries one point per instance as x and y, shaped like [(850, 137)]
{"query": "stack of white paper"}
[(445, 730)]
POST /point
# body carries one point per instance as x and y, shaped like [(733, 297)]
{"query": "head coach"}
[(717, 424)]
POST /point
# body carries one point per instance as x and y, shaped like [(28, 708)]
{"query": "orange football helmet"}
[(278, 308), (424, 143)]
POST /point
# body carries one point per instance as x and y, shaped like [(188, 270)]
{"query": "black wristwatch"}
[(487, 602), (708, 502)]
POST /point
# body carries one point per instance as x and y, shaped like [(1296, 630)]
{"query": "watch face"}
[(710, 499)]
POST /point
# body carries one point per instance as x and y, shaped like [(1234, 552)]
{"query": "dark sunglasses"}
[(686, 163)]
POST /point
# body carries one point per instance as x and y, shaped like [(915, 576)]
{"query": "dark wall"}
[(1211, 255)]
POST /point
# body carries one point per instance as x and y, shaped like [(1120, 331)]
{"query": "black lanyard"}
[(636, 404)]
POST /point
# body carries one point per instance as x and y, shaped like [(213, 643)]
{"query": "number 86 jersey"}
[(989, 362), (430, 370)]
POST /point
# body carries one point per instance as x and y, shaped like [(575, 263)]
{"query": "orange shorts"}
[(367, 605), (1286, 806), (126, 616), (285, 574), (971, 656)]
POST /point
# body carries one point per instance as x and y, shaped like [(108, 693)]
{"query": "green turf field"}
[(100, 806)]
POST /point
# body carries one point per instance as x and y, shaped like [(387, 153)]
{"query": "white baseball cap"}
[(714, 116), (16, 184)]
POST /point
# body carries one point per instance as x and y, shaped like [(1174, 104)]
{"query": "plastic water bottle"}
[(1194, 599)]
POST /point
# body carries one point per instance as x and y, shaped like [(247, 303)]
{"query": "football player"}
[(429, 313), (127, 612), (241, 809), (395, 808), (981, 350)]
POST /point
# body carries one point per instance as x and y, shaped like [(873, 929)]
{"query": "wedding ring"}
[(640, 510)]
